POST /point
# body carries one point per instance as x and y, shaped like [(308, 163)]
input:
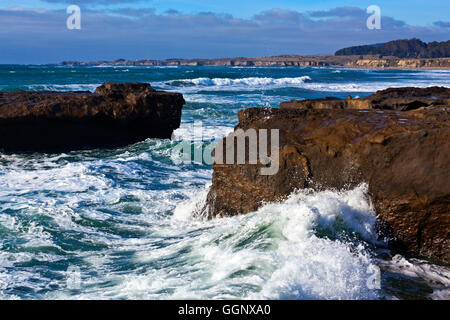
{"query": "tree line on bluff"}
[(413, 48)]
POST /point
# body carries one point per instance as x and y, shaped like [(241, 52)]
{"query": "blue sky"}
[(415, 12), (33, 31)]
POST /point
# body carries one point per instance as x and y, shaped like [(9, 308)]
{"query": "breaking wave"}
[(252, 82), (126, 217)]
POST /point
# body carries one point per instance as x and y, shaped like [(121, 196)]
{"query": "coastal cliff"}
[(369, 61), (395, 63), (396, 141), (115, 115), (398, 54)]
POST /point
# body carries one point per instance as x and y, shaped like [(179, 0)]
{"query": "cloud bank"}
[(39, 36)]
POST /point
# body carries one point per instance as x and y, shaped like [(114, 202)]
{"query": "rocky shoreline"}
[(372, 62), (396, 141), (115, 115)]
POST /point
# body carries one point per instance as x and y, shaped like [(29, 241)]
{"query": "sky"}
[(35, 31)]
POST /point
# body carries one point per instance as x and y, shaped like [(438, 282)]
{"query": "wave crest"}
[(251, 81)]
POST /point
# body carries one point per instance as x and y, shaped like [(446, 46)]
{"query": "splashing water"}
[(122, 222)]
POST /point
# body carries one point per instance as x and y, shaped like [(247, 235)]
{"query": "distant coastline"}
[(351, 61), (398, 54)]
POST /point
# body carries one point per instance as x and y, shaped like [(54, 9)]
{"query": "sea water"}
[(121, 224)]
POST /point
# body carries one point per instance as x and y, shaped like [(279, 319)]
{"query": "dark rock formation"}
[(115, 115), (404, 156), (400, 99)]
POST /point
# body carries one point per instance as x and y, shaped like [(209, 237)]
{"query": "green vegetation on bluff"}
[(413, 48)]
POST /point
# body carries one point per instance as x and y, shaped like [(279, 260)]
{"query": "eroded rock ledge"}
[(404, 156), (115, 115), (399, 99)]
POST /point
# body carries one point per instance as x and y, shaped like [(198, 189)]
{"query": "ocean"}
[(121, 223)]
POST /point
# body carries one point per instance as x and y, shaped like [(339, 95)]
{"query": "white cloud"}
[(27, 36)]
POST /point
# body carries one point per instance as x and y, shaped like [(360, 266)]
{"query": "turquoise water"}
[(121, 224)]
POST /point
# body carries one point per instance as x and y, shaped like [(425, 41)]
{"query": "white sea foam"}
[(279, 242), (64, 87), (252, 81), (220, 84), (273, 253), (437, 277), (191, 86), (295, 249), (136, 213), (369, 86), (186, 132), (254, 99)]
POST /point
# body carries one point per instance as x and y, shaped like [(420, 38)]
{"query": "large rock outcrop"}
[(115, 115), (404, 156), (400, 99)]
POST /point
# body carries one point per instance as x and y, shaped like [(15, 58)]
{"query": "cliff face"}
[(115, 115), (286, 61), (394, 63), (404, 156)]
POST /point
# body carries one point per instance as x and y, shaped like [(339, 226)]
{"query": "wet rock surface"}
[(401, 99), (115, 115), (403, 156)]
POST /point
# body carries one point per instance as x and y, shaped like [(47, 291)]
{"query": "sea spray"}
[(129, 218), (287, 243)]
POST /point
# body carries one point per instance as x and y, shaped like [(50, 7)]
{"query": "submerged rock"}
[(403, 156), (115, 115)]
